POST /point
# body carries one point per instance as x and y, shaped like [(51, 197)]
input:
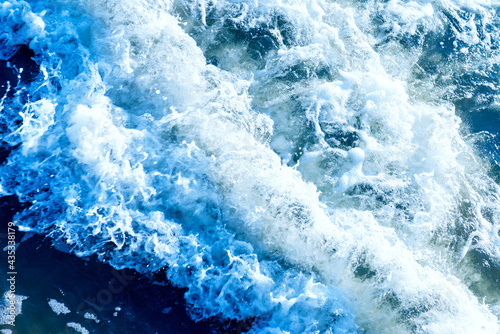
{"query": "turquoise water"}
[(273, 167)]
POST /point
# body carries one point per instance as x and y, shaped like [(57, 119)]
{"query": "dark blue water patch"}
[(124, 301), (487, 124), (482, 117), (304, 72), (489, 268), (20, 69), (258, 41), (260, 45), (233, 26)]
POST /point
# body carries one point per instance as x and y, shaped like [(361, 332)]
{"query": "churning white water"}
[(297, 162)]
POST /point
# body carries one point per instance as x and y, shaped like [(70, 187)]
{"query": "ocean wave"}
[(299, 163)]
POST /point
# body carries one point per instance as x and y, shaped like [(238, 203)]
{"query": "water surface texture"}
[(303, 166)]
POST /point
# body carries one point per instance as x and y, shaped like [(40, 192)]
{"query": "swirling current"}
[(306, 166)]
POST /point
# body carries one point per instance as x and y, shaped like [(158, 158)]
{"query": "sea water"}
[(314, 166)]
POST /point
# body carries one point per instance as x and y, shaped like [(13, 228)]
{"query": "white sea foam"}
[(58, 307), (11, 307), (77, 327), (308, 176), (91, 316)]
